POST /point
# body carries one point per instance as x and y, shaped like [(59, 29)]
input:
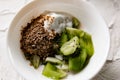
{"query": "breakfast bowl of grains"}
[(58, 39)]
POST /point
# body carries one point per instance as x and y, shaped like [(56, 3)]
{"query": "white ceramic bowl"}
[(91, 20)]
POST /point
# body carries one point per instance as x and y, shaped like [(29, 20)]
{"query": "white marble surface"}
[(109, 9)]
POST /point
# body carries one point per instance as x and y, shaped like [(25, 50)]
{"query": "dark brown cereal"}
[(36, 40)]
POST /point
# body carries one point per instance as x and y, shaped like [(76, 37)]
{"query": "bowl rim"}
[(22, 9)]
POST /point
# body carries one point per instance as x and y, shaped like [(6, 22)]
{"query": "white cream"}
[(60, 21)]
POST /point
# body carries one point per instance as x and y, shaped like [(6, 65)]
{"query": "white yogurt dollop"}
[(58, 21)]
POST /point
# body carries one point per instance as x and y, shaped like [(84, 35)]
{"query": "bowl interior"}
[(91, 22)]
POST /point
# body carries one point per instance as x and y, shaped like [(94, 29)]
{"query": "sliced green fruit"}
[(70, 46), (53, 72), (63, 38), (53, 60), (77, 63), (75, 22), (85, 39), (72, 32), (35, 61), (86, 43)]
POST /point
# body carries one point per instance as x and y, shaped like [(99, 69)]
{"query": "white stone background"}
[(109, 9)]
